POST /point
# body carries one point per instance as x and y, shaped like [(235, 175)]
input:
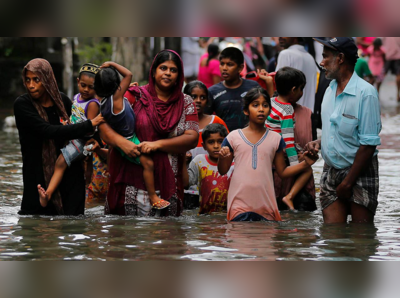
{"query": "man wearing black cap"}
[(351, 125)]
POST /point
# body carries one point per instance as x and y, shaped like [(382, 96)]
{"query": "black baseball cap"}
[(345, 45)]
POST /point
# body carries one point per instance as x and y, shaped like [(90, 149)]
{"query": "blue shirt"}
[(124, 122), (349, 120)]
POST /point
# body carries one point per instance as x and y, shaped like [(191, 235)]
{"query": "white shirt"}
[(297, 57)]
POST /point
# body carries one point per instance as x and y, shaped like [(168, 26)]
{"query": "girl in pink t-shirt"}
[(251, 195), (209, 72), (376, 62)]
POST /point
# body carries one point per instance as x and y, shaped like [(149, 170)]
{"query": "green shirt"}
[(362, 68)]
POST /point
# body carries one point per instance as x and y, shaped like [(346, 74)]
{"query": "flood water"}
[(301, 236)]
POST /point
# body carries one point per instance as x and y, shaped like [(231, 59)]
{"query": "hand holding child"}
[(148, 147), (309, 158), (97, 120), (313, 147)]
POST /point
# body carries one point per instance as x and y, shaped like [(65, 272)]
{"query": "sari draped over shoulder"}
[(155, 120)]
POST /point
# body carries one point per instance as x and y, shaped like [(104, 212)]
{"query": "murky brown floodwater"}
[(302, 236)]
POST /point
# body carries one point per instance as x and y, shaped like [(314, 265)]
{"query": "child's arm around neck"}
[(118, 97)]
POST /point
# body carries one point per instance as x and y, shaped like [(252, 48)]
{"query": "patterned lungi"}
[(365, 191)]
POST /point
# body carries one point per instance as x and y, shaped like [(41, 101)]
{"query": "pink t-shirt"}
[(364, 48), (376, 61), (206, 73), (252, 184)]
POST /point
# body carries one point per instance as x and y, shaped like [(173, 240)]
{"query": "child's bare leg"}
[(301, 181), (148, 176), (45, 195)]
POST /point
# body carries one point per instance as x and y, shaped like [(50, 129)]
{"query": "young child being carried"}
[(203, 171), (251, 195), (85, 107), (119, 114), (290, 83)]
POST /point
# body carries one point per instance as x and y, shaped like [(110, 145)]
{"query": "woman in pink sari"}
[(167, 126)]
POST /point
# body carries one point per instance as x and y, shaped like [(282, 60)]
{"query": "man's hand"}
[(313, 147), (344, 190)]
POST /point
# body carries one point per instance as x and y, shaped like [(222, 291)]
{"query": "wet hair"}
[(234, 54), (254, 94), (213, 52), (189, 88), (168, 56), (214, 128), (106, 82), (288, 77)]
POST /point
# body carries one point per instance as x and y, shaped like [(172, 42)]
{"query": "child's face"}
[(199, 96), (258, 110), (86, 87), (166, 75), (229, 69), (213, 145), (297, 93)]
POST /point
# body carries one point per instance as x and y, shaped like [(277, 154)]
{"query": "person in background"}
[(199, 92), (191, 53), (227, 96), (392, 47), (363, 43), (376, 62), (363, 71), (209, 72), (39, 115), (203, 172), (351, 123), (294, 55)]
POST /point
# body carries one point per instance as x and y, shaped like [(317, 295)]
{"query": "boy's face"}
[(86, 87), (213, 145), (229, 69)]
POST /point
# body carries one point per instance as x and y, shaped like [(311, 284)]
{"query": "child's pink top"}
[(252, 185), (206, 73), (376, 61)]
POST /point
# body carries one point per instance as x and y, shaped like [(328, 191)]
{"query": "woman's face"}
[(166, 75), (34, 85)]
